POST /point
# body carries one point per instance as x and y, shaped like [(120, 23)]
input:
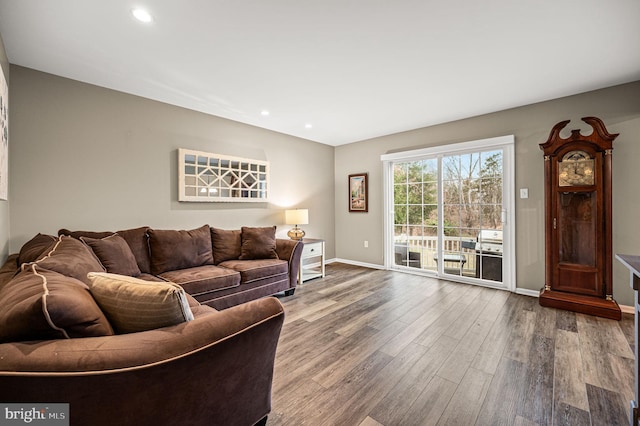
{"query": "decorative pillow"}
[(226, 244), (72, 258), (39, 304), (135, 305), (33, 249), (258, 243), (114, 254), (172, 250)]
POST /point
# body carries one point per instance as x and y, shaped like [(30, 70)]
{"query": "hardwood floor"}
[(367, 347)]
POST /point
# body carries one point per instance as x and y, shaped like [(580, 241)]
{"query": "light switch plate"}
[(524, 192)]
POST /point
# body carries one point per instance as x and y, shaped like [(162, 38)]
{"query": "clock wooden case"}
[(578, 249)]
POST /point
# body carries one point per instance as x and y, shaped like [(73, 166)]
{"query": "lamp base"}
[(296, 233)]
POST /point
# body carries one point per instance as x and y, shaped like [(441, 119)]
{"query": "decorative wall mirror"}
[(207, 177)]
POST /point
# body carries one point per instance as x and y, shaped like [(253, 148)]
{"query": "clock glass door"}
[(577, 224)]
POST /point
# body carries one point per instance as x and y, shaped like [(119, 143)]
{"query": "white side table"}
[(313, 249)]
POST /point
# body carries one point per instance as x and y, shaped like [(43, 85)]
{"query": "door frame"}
[(506, 143)]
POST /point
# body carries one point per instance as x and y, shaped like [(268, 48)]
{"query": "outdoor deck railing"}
[(428, 247)]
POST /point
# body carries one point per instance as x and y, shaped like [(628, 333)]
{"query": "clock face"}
[(576, 169)]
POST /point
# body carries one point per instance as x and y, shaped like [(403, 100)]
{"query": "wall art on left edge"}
[(4, 144)]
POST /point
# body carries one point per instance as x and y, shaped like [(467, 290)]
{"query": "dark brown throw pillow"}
[(173, 250), (39, 304), (72, 258), (36, 247), (258, 243), (114, 254), (226, 244)]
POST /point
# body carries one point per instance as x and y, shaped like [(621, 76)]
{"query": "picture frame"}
[(359, 193)]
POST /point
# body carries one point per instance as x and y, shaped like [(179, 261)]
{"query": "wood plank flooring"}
[(366, 347)]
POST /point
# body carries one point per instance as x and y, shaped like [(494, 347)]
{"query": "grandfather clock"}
[(578, 252)]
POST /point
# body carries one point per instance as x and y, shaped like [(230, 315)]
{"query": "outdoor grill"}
[(489, 255), (489, 242)]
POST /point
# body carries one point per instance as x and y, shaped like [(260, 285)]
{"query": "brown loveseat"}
[(73, 331)]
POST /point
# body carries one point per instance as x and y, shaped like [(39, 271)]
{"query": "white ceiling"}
[(354, 69)]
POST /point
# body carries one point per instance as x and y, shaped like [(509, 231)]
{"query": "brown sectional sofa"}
[(60, 343), (220, 268)]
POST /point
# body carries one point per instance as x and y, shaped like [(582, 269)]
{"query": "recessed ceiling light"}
[(142, 15), (264, 112), (308, 126)]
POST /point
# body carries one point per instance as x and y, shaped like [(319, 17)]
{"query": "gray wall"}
[(618, 107), (4, 204), (85, 157)]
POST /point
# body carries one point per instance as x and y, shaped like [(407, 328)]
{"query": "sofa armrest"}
[(216, 369), (290, 250)]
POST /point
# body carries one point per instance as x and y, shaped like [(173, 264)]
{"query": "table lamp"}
[(296, 217)]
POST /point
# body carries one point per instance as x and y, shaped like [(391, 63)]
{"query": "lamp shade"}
[(296, 217)]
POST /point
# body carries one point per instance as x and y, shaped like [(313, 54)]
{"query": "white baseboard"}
[(627, 309), (527, 292), (355, 263)]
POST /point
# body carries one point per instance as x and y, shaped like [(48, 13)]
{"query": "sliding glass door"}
[(449, 212)]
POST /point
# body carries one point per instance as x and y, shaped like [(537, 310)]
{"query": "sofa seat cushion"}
[(149, 277), (203, 279), (39, 304), (257, 270)]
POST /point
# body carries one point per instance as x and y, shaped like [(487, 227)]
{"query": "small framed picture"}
[(358, 192)]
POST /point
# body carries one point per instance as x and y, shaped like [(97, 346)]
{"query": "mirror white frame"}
[(209, 177)]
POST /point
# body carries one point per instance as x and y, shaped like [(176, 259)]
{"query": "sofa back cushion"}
[(38, 304), (226, 244), (70, 257), (258, 243), (134, 305), (137, 239), (90, 234), (172, 250), (114, 254), (35, 248)]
